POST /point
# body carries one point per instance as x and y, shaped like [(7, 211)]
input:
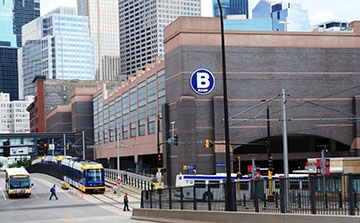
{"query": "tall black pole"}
[(229, 199)]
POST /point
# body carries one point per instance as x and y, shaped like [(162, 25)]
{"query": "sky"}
[(319, 10)]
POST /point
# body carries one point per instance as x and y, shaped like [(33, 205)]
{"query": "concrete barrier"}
[(179, 216)]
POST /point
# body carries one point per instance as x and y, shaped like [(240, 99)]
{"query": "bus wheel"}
[(207, 196)]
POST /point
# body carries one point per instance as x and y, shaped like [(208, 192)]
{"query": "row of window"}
[(131, 112)]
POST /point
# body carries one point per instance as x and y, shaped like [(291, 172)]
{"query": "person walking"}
[(126, 202), (53, 192)]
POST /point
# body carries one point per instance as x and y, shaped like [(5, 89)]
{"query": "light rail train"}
[(87, 176)]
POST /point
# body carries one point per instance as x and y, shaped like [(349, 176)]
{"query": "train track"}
[(109, 199)]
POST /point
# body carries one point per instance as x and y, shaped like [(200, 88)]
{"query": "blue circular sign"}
[(202, 81)]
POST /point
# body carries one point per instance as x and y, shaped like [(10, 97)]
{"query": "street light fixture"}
[(230, 204), (117, 151), (270, 159)]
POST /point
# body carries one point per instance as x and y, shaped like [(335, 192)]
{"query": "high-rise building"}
[(14, 14), (104, 31), (57, 46), (9, 70), (262, 10), (290, 17), (13, 114), (285, 16), (6, 23), (231, 7), (142, 26)]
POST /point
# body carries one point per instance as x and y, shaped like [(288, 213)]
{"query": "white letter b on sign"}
[(202, 80)]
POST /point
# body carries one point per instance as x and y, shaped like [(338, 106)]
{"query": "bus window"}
[(294, 185), (244, 185)]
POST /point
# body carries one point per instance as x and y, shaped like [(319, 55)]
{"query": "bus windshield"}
[(16, 183)]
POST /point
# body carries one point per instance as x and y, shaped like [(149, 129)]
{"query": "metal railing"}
[(130, 179), (327, 195), (134, 180)]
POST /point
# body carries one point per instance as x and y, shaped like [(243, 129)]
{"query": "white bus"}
[(17, 182), (208, 187)]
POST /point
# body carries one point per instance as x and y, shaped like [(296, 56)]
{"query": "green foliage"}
[(20, 163)]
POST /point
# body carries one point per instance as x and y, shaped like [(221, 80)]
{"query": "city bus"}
[(209, 187), (18, 182)]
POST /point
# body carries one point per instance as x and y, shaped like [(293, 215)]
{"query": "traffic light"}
[(40, 147), (159, 160), (176, 140), (208, 143), (46, 147), (236, 166), (68, 146), (270, 163), (6, 148)]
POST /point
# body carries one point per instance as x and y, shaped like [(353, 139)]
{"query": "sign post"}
[(118, 185)]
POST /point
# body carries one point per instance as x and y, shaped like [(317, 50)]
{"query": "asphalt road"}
[(72, 206)]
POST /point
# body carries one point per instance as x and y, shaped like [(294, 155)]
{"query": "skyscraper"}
[(290, 17), (142, 26), (104, 31), (57, 45), (9, 70), (285, 16), (231, 7), (13, 15), (24, 12), (262, 10)]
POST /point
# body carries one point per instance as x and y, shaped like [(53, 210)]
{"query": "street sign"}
[(51, 146), (202, 81), (118, 182), (18, 151)]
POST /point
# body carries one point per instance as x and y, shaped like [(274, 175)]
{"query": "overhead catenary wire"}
[(350, 117)]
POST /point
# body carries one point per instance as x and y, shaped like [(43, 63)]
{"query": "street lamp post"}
[(230, 204), (117, 135), (117, 151)]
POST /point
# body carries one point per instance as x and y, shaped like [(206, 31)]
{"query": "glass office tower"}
[(57, 45), (231, 7), (285, 16), (9, 70), (104, 31), (13, 15)]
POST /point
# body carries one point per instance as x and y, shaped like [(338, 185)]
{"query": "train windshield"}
[(95, 175)]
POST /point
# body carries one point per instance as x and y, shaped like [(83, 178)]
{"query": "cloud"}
[(47, 6), (321, 16)]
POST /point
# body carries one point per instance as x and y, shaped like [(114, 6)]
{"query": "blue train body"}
[(87, 176)]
